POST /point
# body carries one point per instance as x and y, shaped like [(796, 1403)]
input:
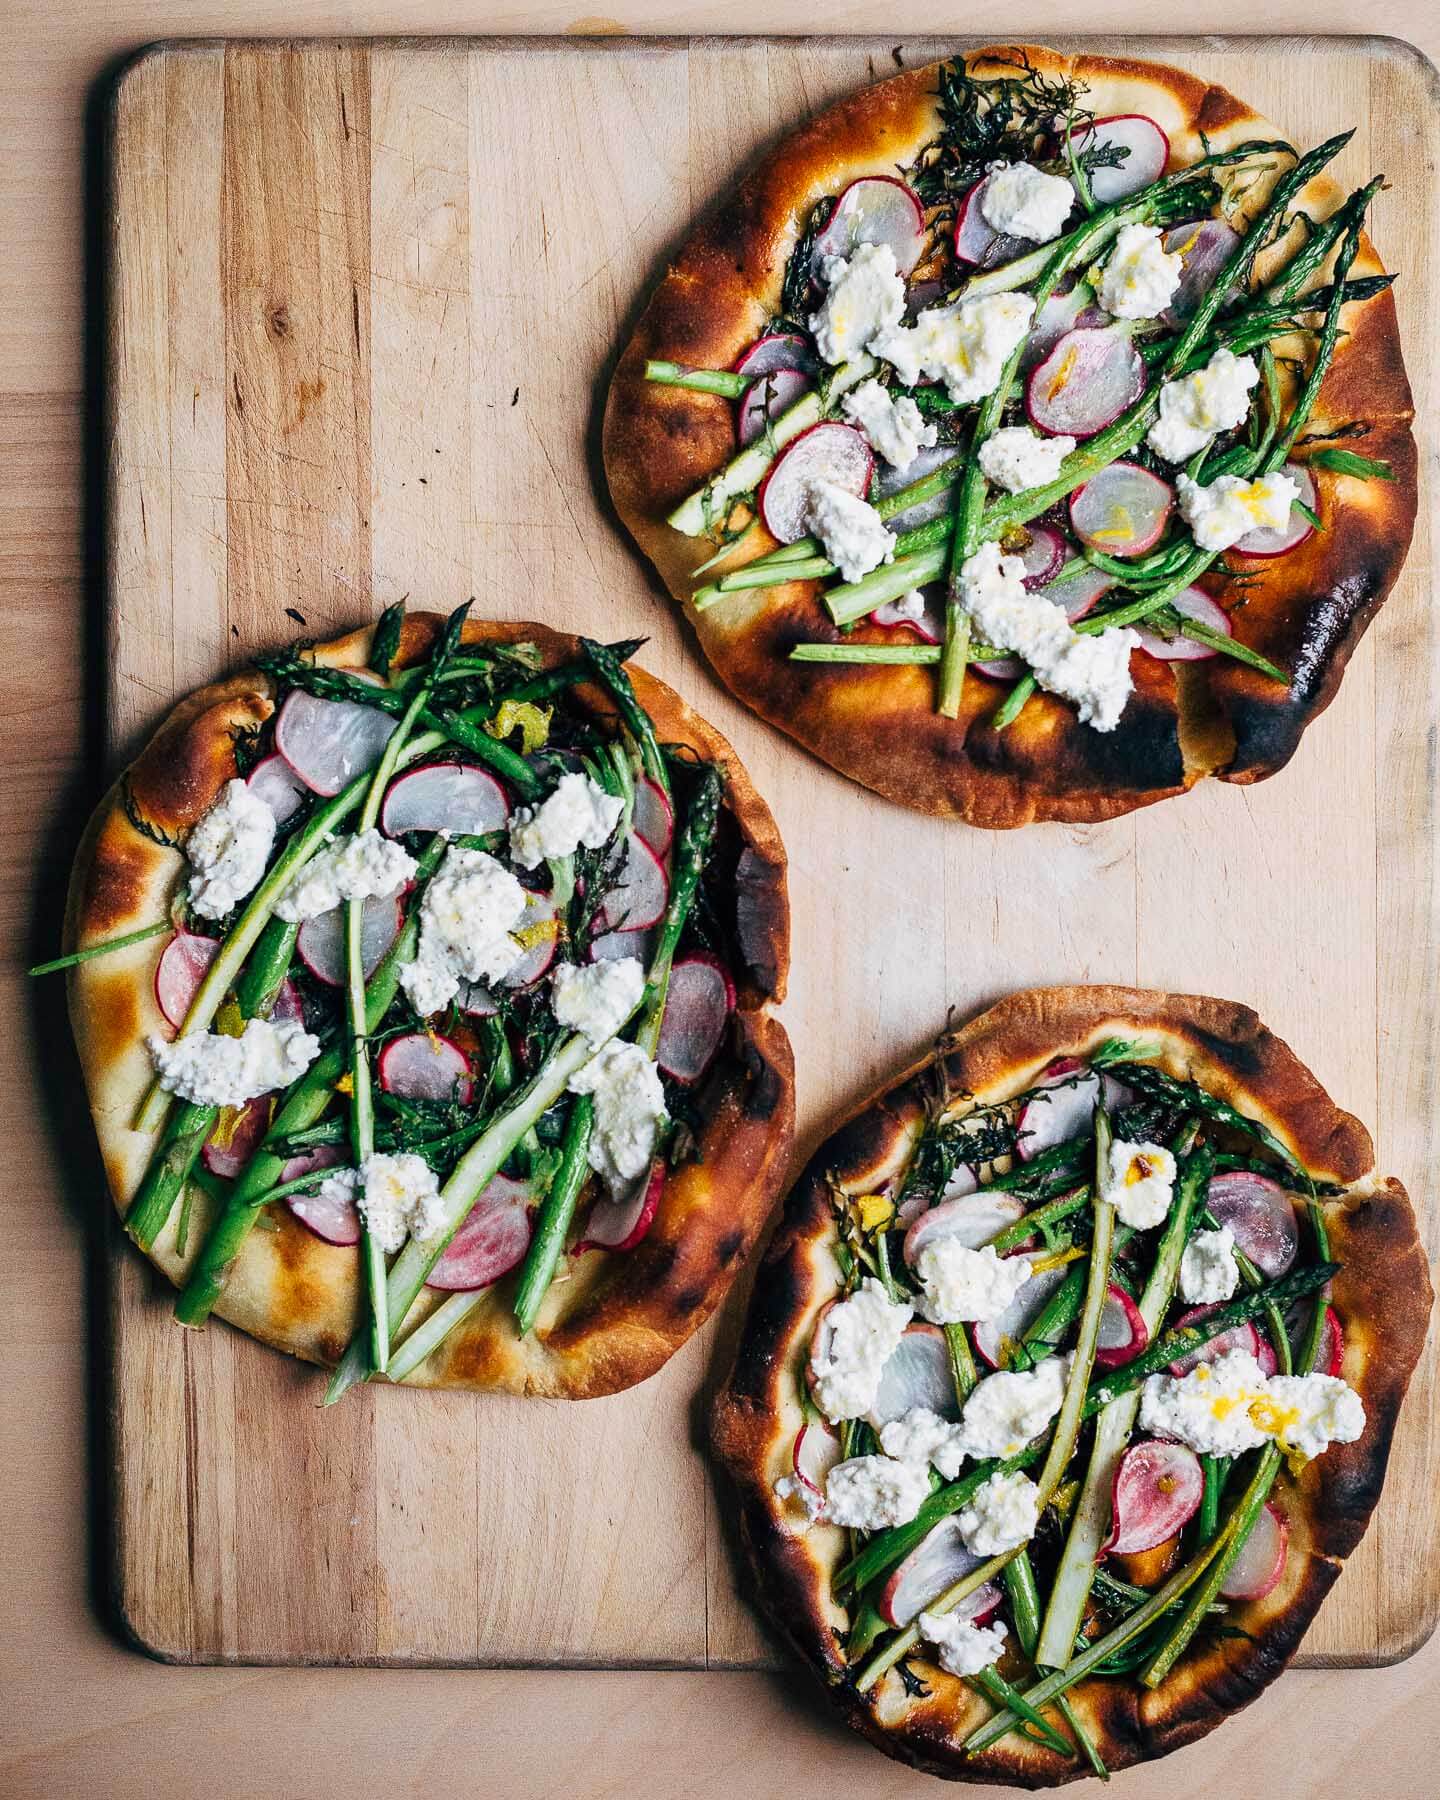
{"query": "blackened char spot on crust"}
[(760, 911), (1142, 752), (729, 1247), (686, 1301), (764, 1090), (1243, 1054)]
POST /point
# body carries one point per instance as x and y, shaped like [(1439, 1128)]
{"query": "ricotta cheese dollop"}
[(399, 1197), (598, 998), (1209, 1272), (966, 346), (965, 1647), (790, 1490), (470, 908), (1007, 1410), (1195, 409), (852, 1344), (1001, 1514), (1228, 1406), (1222, 513), (209, 1068), (1140, 277), (864, 296), (363, 867), (228, 849), (629, 1109), (1139, 1182), (960, 1283), (922, 1436), (1016, 457), (1019, 200), (853, 533), (578, 812), (871, 1493), (895, 429)]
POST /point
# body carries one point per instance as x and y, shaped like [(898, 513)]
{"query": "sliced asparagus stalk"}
[(637, 721), (690, 856), (548, 1244), (102, 949), (705, 381)]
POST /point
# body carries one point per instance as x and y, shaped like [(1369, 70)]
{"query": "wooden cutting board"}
[(365, 298)]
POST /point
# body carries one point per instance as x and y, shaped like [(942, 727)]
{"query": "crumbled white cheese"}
[(1016, 457), (340, 1188), (1019, 200), (210, 1069), (228, 849), (1000, 1514), (1313, 1412), (1208, 1269), (864, 296), (923, 1436), (790, 1489), (1005, 1411), (910, 606), (598, 998), (871, 1493), (362, 867), (399, 1197), (471, 906), (966, 346), (578, 812), (1139, 1183), (1140, 278), (852, 1345), (1197, 408), (629, 1109), (853, 533), (958, 1283), (965, 1647), (894, 428), (1228, 1406), (1224, 512)]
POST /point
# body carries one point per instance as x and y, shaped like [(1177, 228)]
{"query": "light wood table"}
[(80, 1714)]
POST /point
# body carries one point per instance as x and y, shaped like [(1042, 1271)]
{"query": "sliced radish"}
[(1267, 543), (329, 742), (1086, 382), (1043, 556), (333, 1219), (540, 910), (1147, 148), (815, 1453), (928, 627), (493, 1238), (276, 783), (1157, 1491), (1123, 1333), (455, 797), (1204, 247), (180, 971), (289, 1008), (654, 817), (937, 1563), (764, 400), (876, 209), (323, 1156), (242, 1140), (1190, 603), (1061, 1109), (776, 351), (1260, 1214), (890, 480), (700, 998), (422, 1066), (1077, 591), (1122, 511), (1265, 1351), (972, 1219), (1059, 314), (1237, 1337), (977, 242), (1261, 1559), (616, 946), (993, 1335), (321, 942), (916, 1373), (1331, 1358), (637, 900), (621, 1222), (828, 451)]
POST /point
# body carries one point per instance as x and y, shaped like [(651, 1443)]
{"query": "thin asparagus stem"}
[(705, 381), (548, 1244), (103, 949), (690, 855)]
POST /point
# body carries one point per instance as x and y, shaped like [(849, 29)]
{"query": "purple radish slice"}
[(323, 1156), (1331, 1357), (828, 451), (334, 1220), (637, 900), (321, 943), (1001, 668), (1261, 1559), (928, 627), (890, 480), (876, 209), (1238, 1337), (700, 998), (1059, 314), (241, 1138), (1085, 383), (276, 783), (937, 1562), (1204, 247), (289, 1008), (653, 817), (1062, 1109), (1190, 603), (180, 971), (977, 242), (615, 946), (765, 399), (1148, 152), (619, 1224), (1260, 1214), (1117, 1093), (1265, 1351), (972, 1219), (476, 1001), (776, 351), (1043, 556), (1122, 511), (329, 742), (1296, 529), (992, 1335), (493, 1238), (815, 1453), (916, 1373), (1157, 1491), (455, 797), (1123, 1333), (422, 1066)]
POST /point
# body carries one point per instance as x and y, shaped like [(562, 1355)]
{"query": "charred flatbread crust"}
[(1383, 1296), (618, 1317), (878, 725)]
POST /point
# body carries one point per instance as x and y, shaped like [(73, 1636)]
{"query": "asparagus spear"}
[(548, 1243)]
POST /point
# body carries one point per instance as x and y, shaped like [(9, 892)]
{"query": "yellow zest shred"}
[(875, 1210), (543, 931), (345, 1085), (1064, 372), (533, 723), (229, 1021)]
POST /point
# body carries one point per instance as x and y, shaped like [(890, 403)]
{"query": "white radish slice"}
[(539, 911), (1266, 542), (274, 782), (1122, 511), (828, 451), (1118, 1094), (335, 1220), (329, 742), (916, 1373), (1062, 1109), (1190, 603), (890, 480), (493, 1238), (765, 399), (815, 1453), (637, 900), (700, 998), (1157, 1491), (1261, 1215), (1261, 1559), (321, 943), (993, 1335), (971, 1219), (180, 971), (242, 1139), (1043, 556), (1123, 1333), (620, 1223), (1238, 1337), (616, 946), (928, 627), (977, 242), (1204, 246), (1078, 590), (1001, 668), (937, 1562), (876, 209), (775, 351), (1085, 383), (454, 797), (422, 1066), (653, 817), (1147, 147), (1059, 314)]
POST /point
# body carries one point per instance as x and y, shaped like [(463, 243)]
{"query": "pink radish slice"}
[(276, 783), (653, 817), (1260, 1563), (1059, 314), (494, 1237), (180, 971), (700, 998), (1190, 603), (615, 946), (289, 1008), (890, 480), (765, 399), (421, 1066), (1078, 590), (1331, 1358), (1204, 247), (323, 1156), (1148, 152), (1265, 1351), (928, 627), (619, 1224), (336, 1221), (816, 1452), (456, 797), (976, 240), (1002, 668), (241, 1142), (776, 351), (637, 900), (329, 742), (1157, 1490), (828, 451), (937, 1562), (972, 1219), (877, 209), (1123, 1333), (1043, 556), (1266, 543), (476, 1001), (1238, 1337), (916, 1373), (1260, 1214), (539, 910), (992, 1335), (1064, 1112), (321, 942), (1122, 511), (1086, 382)]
